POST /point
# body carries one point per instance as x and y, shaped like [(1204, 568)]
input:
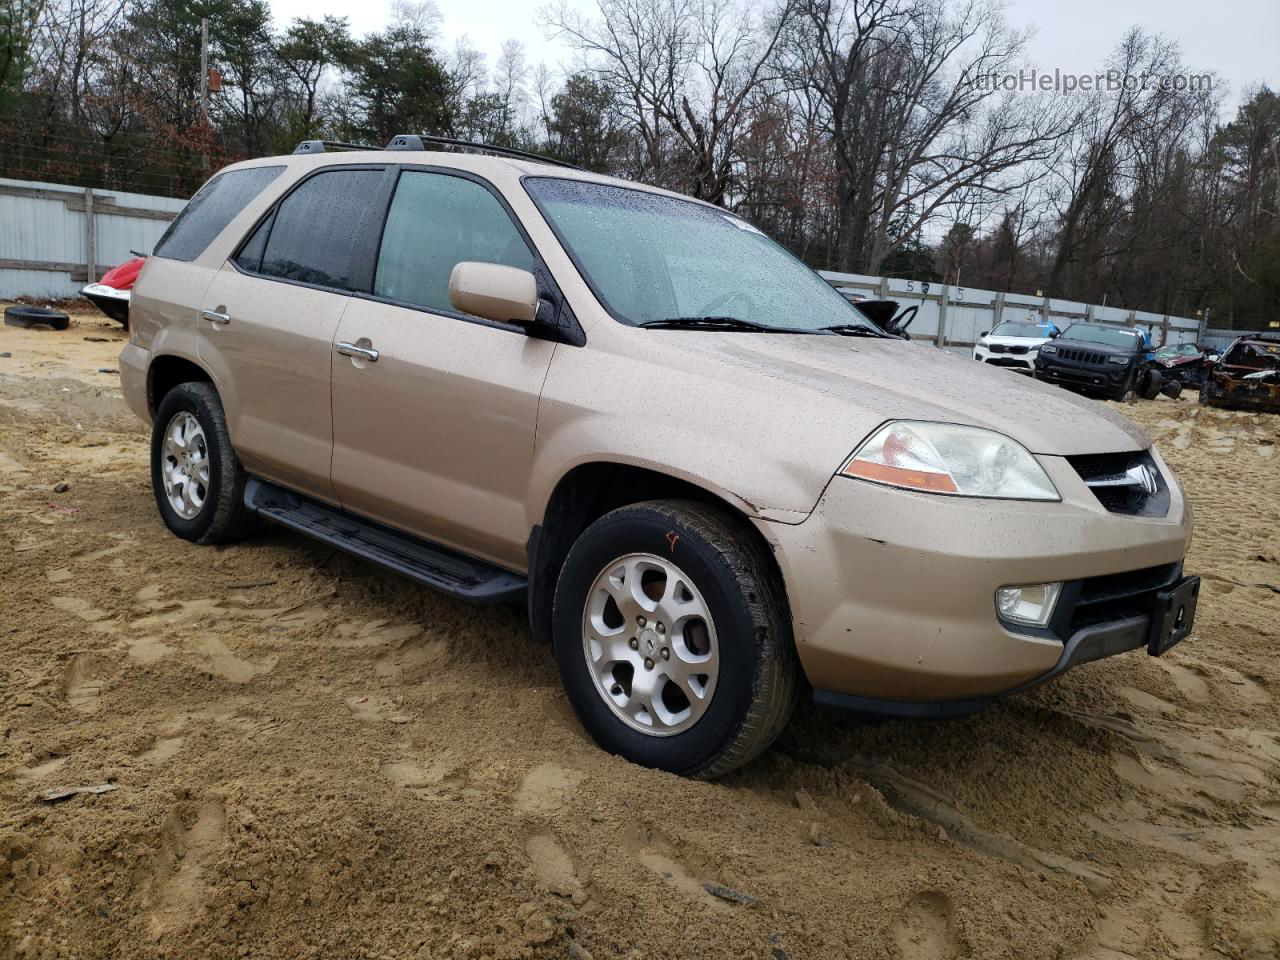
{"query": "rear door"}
[(436, 436), (168, 295), (270, 315)]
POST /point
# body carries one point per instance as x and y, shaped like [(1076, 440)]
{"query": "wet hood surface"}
[(881, 379)]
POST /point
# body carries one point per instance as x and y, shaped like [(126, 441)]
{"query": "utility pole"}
[(204, 92), (204, 68)]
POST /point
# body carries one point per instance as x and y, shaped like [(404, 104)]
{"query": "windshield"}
[(650, 258), (1011, 328), (1097, 333), (1178, 350)]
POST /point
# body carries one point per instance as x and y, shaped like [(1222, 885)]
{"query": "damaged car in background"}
[(1247, 376)]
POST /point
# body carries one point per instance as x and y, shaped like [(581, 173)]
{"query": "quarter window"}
[(312, 236), (435, 222), (211, 209)]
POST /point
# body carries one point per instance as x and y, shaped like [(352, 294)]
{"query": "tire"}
[(20, 316), (221, 516), (1171, 389), (1149, 384), (730, 576)]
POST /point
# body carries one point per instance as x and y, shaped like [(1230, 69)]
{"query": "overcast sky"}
[(1237, 39)]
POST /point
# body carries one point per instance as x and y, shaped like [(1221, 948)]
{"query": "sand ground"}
[(315, 759)]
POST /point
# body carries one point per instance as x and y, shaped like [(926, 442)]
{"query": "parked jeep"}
[(698, 466), (1100, 360)]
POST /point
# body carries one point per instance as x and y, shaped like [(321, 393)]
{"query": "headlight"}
[(951, 459), (1049, 348), (1117, 359)]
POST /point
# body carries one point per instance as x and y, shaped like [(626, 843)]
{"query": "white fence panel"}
[(54, 238)]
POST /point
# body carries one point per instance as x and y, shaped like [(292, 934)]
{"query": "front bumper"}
[(1021, 362), (1241, 394), (1105, 377), (893, 592)]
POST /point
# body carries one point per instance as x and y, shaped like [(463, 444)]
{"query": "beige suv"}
[(707, 475)]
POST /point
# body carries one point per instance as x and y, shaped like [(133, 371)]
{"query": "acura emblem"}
[(1143, 476)]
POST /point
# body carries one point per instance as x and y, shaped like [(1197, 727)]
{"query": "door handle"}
[(361, 353), (213, 316)]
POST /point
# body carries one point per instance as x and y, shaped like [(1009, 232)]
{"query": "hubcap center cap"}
[(649, 642)]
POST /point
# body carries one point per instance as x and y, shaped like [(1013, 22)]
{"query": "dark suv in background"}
[(1099, 359)]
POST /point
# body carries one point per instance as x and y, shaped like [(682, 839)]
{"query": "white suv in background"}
[(1014, 344)]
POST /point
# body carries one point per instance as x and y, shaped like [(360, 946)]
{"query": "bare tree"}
[(684, 70)]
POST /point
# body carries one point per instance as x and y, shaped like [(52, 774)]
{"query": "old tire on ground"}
[(22, 316), (1149, 384), (1171, 389), (196, 477), (673, 637)]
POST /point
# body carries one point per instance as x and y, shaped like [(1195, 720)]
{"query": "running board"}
[(446, 570)]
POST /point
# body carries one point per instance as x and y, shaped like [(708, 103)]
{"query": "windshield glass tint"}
[(1011, 329), (1097, 333), (648, 257)]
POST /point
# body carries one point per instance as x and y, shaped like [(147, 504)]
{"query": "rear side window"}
[(436, 221), (211, 209), (311, 236)]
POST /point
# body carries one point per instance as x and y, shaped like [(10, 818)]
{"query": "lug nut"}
[(635, 644), (616, 689), (661, 628), (666, 653), (640, 620), (648, 664)]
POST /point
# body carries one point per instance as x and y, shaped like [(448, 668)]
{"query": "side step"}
[(446, 570)]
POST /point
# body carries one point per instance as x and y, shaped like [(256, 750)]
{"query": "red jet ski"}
[(111, 293)]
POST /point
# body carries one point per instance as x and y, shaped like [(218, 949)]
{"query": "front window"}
[(649, 257), (1013, 328), (1098, 333)]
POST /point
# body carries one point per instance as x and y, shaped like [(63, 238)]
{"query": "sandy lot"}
[(315, 759)]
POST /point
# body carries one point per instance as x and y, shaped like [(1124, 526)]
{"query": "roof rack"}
[(324, 146), (419, 141)]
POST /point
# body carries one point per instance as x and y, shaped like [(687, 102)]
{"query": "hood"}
[(859, 383)]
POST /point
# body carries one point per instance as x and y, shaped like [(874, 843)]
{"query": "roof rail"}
[(323, 146), (419, 141)]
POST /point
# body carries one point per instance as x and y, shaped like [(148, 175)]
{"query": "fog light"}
[(1032, 604)]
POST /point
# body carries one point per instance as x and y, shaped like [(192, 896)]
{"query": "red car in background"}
[(111, 293)]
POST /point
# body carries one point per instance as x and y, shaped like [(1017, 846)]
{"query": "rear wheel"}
[(197, 480), (673, 638)]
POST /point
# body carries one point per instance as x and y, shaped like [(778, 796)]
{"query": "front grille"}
[(1081, 356), (996, 348), (1119, 595), (1116, 479), (1019, 350)]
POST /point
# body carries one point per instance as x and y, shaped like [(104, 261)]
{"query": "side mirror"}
[(494, 291), (984, 333), (1054, 334)]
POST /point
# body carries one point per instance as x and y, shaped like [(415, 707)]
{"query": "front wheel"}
[(196, 476), (673, 638)]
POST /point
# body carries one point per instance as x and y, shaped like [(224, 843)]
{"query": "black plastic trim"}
[(903, 709), (442, 568)]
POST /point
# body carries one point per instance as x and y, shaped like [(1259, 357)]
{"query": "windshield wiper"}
[(854, 330), (714, 323)]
